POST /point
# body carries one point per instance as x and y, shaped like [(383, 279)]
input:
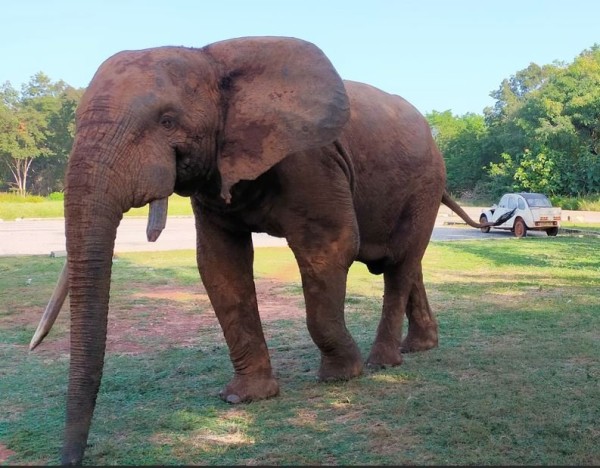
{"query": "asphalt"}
[(47, 236)]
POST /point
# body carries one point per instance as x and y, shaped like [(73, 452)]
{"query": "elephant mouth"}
[(188, 174), (185, 188), (191, 180)]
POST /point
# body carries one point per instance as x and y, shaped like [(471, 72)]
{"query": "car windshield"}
[(537, 200)]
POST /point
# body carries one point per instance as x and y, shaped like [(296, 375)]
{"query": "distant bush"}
[(590, 205), (577, 203), (56, 196), (13, 197)]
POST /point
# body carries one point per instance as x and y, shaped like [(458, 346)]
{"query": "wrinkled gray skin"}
[(264, 136)]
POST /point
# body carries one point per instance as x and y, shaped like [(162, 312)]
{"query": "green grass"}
[(589, 203), (13, 207), (515, 380), (581, 226)]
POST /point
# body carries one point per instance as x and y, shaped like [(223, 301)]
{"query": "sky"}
[(439, 54)]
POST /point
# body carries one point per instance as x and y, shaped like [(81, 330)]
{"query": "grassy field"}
[(13, 207), (515, 380)]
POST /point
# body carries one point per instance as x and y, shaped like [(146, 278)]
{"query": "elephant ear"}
[(281, 95)]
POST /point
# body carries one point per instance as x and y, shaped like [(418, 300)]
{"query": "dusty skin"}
[(264, 136)]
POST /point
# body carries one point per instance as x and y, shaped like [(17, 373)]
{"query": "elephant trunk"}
[(92, 217), (98, 191), (89, 279)]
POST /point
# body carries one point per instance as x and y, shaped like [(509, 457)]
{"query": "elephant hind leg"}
[(386, 347), (422, 325), (404, 294)]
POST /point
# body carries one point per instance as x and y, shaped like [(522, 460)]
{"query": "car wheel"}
[(483, 219), (552, 231), (520, 229)]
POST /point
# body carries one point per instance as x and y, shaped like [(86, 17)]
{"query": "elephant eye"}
[(167, 122)]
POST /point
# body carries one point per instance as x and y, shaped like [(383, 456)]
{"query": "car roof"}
[(528, 195)]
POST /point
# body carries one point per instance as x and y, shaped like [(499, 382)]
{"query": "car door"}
[(505, 211)]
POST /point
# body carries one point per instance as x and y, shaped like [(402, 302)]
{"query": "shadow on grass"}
[(515, 380), (489, 394), (519, 253)]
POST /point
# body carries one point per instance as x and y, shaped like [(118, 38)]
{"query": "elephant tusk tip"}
[(35, 341), (157, 218), (153, 234)]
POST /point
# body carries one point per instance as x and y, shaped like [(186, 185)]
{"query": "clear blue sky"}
[(439, 54)]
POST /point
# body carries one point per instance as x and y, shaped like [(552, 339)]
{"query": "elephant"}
[(264, 136)]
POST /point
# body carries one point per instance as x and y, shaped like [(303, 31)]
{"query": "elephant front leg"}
[(324, 278), (225, 265), (324, 293)]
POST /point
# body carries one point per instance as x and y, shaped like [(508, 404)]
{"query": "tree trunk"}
[(19, 169)]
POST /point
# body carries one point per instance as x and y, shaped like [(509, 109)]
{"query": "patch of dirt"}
[(5, 453), (165, 316)]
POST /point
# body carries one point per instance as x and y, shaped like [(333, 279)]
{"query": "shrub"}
[(56, 196), (16, 198), (577, 203)]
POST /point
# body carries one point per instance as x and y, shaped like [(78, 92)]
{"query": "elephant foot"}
[(383, 356), (247, 388), (422, 341), (72, 454), (338, 368)]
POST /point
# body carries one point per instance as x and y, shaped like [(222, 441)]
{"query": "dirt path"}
[(163, 321)]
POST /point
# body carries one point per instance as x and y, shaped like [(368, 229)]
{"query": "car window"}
[(538, 200), (503, 201), (512, 203), (521, 204)]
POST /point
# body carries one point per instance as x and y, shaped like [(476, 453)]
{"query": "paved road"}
[(448, 233), (47, 236)]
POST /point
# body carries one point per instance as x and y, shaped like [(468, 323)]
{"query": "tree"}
[(37, 127), (462, 141), (22, 138), (546, 126), (49, 172)]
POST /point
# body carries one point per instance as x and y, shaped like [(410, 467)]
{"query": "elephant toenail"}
[(233, 399)]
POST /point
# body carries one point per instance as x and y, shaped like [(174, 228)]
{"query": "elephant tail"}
[(450, 203)]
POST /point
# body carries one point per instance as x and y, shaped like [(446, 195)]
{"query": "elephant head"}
[(157, 121)]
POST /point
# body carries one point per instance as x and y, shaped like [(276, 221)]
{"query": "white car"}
[(520, 212)]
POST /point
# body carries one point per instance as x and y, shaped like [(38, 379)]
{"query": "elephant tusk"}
[(157, 218), (52, 309)]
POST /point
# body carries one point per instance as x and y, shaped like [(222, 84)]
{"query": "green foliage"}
[(577, 203), (36, 133), (20, 199), (13, 206), (542, 134), (501, 176), (462, 142), (56, 196)]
